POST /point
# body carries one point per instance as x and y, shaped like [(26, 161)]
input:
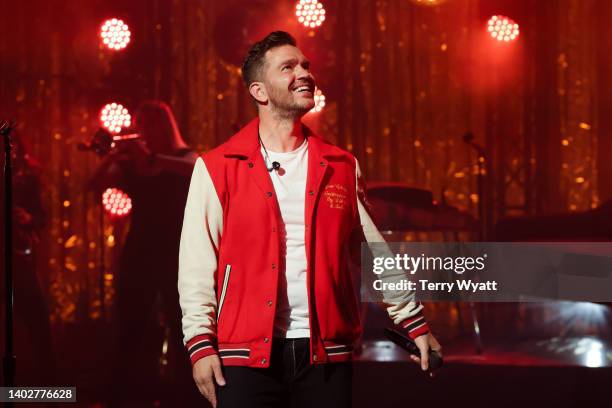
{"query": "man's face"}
[(288, 81)]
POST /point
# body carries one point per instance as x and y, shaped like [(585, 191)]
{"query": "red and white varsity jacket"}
[(230, 254)]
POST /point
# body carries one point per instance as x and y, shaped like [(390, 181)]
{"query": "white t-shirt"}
[(289, 182)]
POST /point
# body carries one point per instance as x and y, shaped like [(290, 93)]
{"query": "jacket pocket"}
[(226, 278)]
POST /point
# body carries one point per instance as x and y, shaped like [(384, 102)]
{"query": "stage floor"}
[(533, 355)]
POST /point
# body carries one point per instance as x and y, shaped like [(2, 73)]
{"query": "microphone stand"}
[(481, 160), (8, 360)]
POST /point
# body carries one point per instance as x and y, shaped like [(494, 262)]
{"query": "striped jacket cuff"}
[(415, 325), (201, 346)]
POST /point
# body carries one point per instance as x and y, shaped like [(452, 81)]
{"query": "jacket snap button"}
[(269, 194), (266, 340), (314, 357), (322, 163), (273, 266), (263, 361), (311, 193), (250, 165), (269, 303)]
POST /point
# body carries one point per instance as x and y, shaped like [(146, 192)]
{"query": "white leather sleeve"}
[(399, 305), (199, 248)]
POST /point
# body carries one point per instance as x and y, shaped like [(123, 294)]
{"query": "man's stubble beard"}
[(286, 109)]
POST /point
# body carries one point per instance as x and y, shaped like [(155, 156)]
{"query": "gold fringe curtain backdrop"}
[(403, 84)]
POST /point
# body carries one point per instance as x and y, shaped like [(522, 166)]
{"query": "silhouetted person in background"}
[(35, 361), (155, 172)]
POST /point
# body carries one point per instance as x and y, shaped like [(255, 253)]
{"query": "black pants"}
[(290, 381)]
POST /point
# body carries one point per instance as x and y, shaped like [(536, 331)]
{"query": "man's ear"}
[(258, 92)]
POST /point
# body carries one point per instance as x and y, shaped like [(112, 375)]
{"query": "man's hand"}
[(206, 371), (425, 343)]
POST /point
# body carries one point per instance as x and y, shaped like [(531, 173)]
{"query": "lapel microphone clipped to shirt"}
[(275, 165)]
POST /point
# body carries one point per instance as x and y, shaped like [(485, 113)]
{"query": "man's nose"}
[(303, 73)]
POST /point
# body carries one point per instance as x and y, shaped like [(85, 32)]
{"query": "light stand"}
[(8, 360)]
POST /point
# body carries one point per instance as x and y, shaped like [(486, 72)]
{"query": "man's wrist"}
[(416, 325), (201, 346)]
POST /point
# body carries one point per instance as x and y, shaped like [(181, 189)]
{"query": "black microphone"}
[(405, 342), (275, 166)]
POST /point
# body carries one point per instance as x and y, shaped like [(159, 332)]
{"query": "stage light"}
[(503, 28), (114, 117), (310, 13), (115, 34), (116, 203), (428, 2), (593, 350), (319, 100), (587, 313)]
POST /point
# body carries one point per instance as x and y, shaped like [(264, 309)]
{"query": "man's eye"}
[(286, 67)]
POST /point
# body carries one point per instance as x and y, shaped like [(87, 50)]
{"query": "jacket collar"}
[(245, 143)]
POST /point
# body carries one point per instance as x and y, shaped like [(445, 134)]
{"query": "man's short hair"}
[(255, 59)]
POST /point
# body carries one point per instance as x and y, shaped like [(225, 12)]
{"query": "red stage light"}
[(319, 100), (503, 28), (114, 117), (116, 203), (115, 34), (310, 13), (428, 2)]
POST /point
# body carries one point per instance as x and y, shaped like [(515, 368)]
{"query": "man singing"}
[(273, 218)]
